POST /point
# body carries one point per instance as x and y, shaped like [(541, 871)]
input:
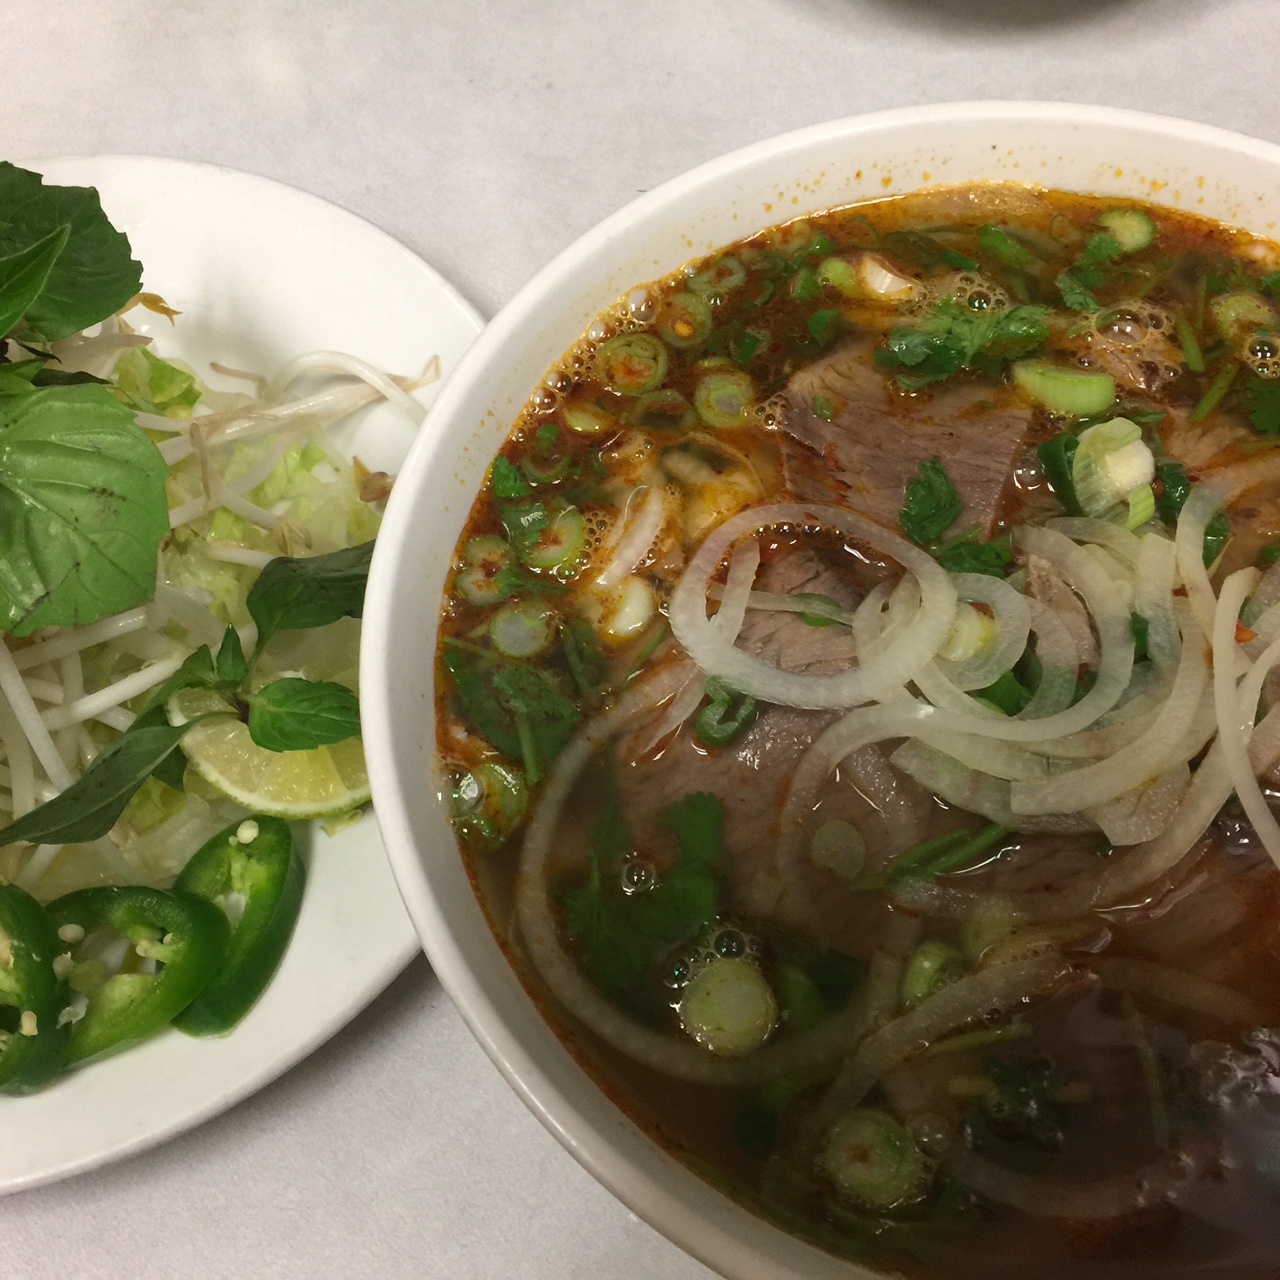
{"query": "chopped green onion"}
[(724, 400), (684, 320), (1236, 313), (748, 344), (587, 419), (549, 472), (1142, 506), (665, 409), (806, 287), (932, 966), (560, 543), (1072, 393), (1111, 461), (725, 274), (482, 581), (726, 715), (840, 274), (1133, 229), (522, 628), (823, 325), (1056, 459), (873, 1161), (488, 803), (823, 407), (632, 363), (728, 1007)]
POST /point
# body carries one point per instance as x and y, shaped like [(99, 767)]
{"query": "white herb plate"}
[(261, 272)]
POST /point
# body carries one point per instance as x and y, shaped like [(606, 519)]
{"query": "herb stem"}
[(1191, 352), (1217, 389)]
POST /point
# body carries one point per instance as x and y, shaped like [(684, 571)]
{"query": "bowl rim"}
[(550, 1102)]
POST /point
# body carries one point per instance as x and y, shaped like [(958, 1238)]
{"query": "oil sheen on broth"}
[(854, 697)]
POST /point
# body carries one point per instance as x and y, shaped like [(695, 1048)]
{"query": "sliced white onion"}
[(874, 678), (1143, 813), (1153, 600), (1011, 613), (993, 990), (1139, 763), (1179, 988), (1235, 721), (1103, 533), (1204, 502), (1096, 1200), (967, 788), (633, 534)]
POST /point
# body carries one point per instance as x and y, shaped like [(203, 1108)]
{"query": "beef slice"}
[(751, 774), (879, 435)]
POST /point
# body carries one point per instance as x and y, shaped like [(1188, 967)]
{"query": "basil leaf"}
[(232, 667), (294, 595), (292, 714), (196, 672), (92, 805), (23, 275), (82, 508), (93, 276)]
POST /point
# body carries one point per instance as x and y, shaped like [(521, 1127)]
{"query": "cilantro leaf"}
[(1262, 398), (93, 276), (1088, 271), (1074, 293), (998, 242), (992, 558), (519, 708), (931, 503), (506, 480), (624, 934), (292, 714), (955, 338), (82, 508)]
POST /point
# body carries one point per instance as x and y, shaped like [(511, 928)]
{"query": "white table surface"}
[(486, 135)]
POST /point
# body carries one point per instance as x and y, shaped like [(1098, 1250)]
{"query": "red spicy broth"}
[(854, 688)]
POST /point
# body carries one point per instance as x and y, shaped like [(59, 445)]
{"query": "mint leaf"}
[(291, 714), (24, 273), (93, 276), (295, 595), (931, 503), (82, 508), (92, 805)]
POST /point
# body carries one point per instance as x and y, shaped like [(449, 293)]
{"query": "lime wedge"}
[(285, 784)]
